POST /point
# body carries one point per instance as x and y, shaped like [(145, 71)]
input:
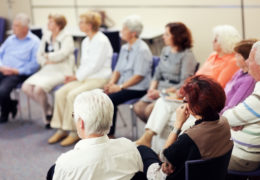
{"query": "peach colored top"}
[(220, 69)]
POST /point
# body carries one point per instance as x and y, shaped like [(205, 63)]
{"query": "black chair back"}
[(209, 169)]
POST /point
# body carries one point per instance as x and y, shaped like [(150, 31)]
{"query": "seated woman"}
[(177, 64), (56, 58), (220, 66), (93, 72), (209, 138), (132, 74)]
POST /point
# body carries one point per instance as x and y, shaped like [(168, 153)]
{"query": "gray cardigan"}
[(174, 68)]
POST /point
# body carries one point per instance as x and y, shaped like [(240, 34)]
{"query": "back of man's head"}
[(96, 110)]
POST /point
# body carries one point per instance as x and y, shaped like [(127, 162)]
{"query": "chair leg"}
[(134, 123), (29, 108), (122, 117)]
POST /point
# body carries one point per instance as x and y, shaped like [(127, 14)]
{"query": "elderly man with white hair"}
[(17, 62), (96, 156), (245, 122), (132, 75)]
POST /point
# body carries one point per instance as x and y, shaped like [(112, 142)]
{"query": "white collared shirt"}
[(99, 159)]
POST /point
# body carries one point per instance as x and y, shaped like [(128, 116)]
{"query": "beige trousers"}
[(64, 99)]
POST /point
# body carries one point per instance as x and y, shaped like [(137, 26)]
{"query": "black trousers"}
[(121, 97), (148, 157), (7, 84)]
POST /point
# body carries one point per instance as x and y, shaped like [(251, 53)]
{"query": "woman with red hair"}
[(210, 137)]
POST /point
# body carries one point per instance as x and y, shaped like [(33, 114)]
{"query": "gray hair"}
[(134, 24), (96, 110), (227, 36), (257, 53), (23, 19)]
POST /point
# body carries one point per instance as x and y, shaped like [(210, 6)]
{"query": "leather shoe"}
[(57, 137), (3, 119), (69, 140), (14, 108)]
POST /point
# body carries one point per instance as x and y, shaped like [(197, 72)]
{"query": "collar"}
[(28, 36), (212, 117), (85, 143), (135, 46)]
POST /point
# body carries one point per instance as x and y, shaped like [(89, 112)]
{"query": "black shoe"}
[(49, 117), (3, 119), (14, 108), (47, 126)]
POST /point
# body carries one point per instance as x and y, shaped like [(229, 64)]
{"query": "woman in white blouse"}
[(93, 72), (56, 59)]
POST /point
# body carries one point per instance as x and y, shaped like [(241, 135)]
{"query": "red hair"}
[(181, 35), (204, 95)]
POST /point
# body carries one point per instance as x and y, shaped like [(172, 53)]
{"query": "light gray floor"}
[(24, 152)]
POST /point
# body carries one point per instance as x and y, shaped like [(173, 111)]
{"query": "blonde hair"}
[(96, 110), (227, 36), (92, 18), (60, 20)]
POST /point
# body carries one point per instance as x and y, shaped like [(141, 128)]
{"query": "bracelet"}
[(176, 131), (121, 86)]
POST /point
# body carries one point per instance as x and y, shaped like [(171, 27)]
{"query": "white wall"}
[(199, 15)]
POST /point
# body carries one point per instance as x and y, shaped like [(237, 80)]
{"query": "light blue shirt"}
[(20, 54), (135, 61)]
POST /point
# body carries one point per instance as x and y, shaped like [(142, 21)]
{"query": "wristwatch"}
[(176, 131)]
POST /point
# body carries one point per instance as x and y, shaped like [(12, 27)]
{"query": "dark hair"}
[(182, 37), (244, 47), (204, 95)]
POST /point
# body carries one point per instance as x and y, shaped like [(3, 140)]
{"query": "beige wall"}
[(200, 15)]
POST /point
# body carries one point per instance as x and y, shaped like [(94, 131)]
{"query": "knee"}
[(148, 110), (38, 91), (139, 108), (27, 89)]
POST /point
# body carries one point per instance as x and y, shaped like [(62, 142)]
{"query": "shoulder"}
[(33, 37), (101, 37), (142, 46), (123, 143)]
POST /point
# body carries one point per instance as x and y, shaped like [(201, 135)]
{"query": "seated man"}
[(245, 122), (96, 156), (17, 62)]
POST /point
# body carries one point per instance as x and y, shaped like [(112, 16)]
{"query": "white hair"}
[(23, 19), (227, 36), (134, 24), (257, 53), (96, 110)]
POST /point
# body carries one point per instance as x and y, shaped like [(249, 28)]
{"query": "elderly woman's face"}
[(126, 34), (167, 37), (52, 26), (240, 61), (216, 45)]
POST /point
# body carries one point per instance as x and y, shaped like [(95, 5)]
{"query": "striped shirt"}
[(247, 113)]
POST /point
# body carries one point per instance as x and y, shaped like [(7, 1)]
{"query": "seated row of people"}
[(209, 137)]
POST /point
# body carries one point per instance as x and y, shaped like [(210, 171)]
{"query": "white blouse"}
[(96, 57)]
